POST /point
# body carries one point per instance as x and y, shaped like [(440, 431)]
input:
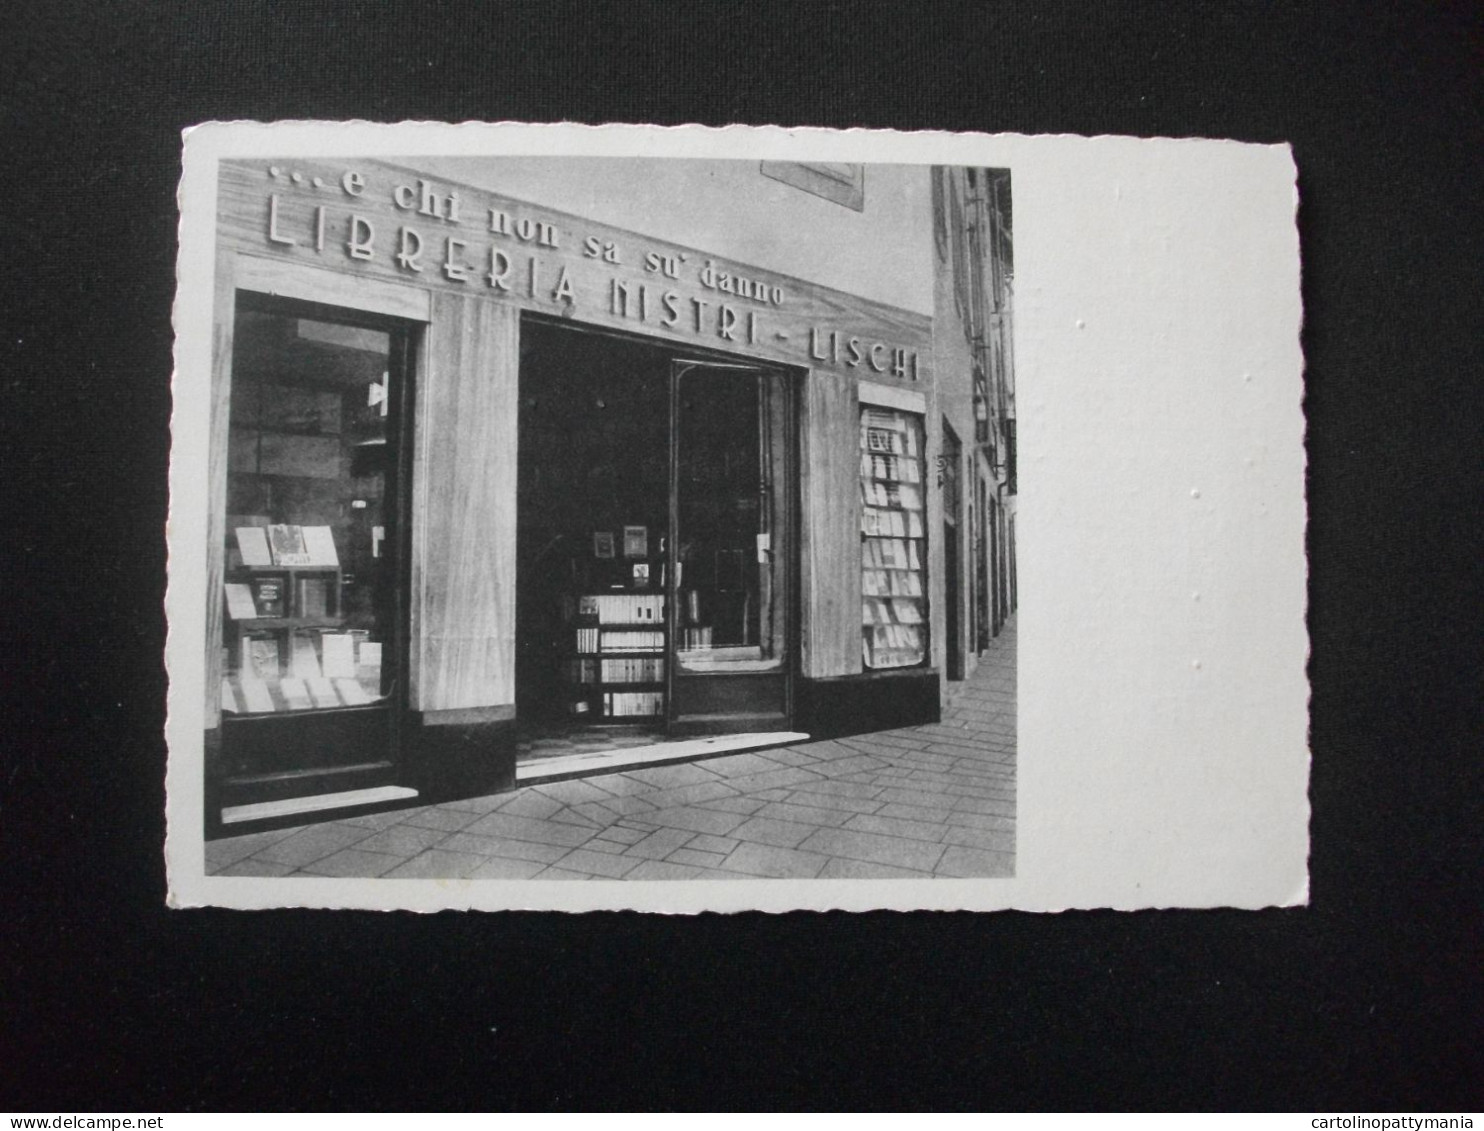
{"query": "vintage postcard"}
[(719, 519)]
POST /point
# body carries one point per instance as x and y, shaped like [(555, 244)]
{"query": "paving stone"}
[(840, 868), (875, 848), (597, 863), (693, 856), (664, 870), (888, 740), (737, 765), (598, 844), (935, 813), (572, 817), (932, 832), (804, 814), (501, 869), (790, 756), (744, 805), (597, 813), (449, 820), (759, 784), (436, 864), (696, 820), (774, 861), (705, 842), (503, 847), (567, 792), (354, 862), (660, 843), (893, 775), (961, 861), (992, 840), (830, 801), (825, 750), (619, 834), (221, 853), (761, 830), (487, 804), (841, 767), (928, 798), (561, 874), (838, 788), (624, 806), (671, 777), (689, 794), (918, 763), (524, 828), (993, 805), (402, 840), (981, 821), (531, 803), (313, 843), (378, 821), (619, 785), (254, 867), (955, 750)]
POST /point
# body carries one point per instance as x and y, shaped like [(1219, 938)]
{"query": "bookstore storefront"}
[(494, 482)]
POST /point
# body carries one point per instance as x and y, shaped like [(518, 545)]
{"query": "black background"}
[(1368, 999)]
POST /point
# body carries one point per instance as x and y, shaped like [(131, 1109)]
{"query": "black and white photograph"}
[(606, 517)]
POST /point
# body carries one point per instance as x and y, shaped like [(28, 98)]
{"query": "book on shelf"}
[(696, 638), (295, 693), (269, 596), (645, 669), (259, 656), (630, 640), (303, 658), (352, 692), (314, 596), (633, 704), (255, 697), (239, 601), (623, 608), (322, 691), (338, 655), (252, 544), (319, 544), (287, 542), (636, 541)]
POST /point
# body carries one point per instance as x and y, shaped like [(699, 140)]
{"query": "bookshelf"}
[(614, 671), (893, 540)]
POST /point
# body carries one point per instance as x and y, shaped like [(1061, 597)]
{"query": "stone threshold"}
[(589, 764)]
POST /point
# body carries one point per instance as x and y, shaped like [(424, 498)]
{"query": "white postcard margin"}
[(1163, 699)]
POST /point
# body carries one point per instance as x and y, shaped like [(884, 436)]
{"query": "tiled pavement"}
[(933, 800)]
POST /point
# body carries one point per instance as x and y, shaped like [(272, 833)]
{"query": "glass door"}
[(313, 637), (730, 550)]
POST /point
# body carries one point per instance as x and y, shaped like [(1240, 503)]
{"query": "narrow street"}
[(924, 801)]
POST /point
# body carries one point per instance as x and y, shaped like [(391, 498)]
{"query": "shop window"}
[(894, 622), (308, 587)]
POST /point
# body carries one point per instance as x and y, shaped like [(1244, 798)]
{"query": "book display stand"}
[(289, 645), (893, 540)]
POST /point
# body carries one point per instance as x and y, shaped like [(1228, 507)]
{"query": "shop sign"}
[(393, 223)]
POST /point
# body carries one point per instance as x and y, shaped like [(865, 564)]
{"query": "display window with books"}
[(309, 590), (894, 619)]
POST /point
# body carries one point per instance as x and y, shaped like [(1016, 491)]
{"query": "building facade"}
[(507, 455)]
